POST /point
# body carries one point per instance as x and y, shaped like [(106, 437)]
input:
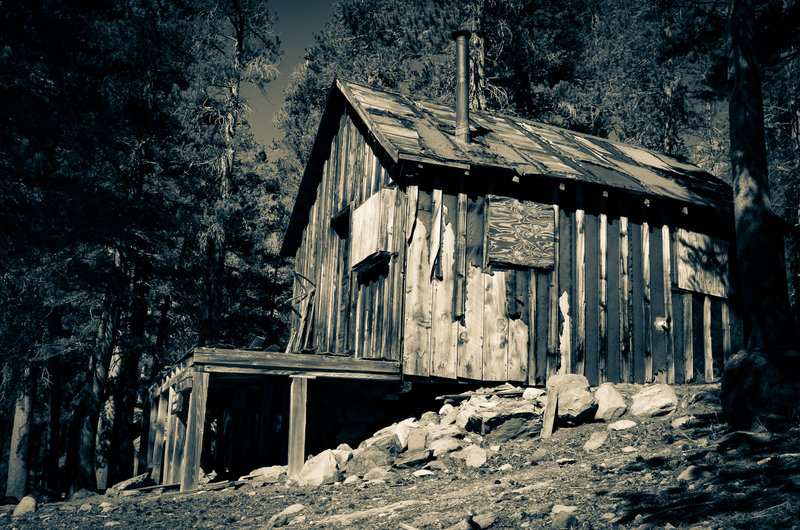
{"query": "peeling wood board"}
[(495, 328), (518, 327), (417, 329), (470, 338), (702, 263), (444, 330)]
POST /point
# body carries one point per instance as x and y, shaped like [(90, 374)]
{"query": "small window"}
[(520, 233)]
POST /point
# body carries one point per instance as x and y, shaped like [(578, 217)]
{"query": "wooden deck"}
[(178, 401)]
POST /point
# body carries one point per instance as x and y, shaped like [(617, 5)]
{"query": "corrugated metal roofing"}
[(420, 131)]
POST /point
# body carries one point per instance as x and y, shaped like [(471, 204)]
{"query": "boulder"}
[(564, 520), (342, 457), (270, 474), (435, 432), (443, 446), (561, 382), (446, 409), (26, 505), (655, 400), (416, 440), (514, 427), (388, 443), (320, 469), (575, 405), (282, 518), (473, 455), (429, 417), (365, 460), (610, 403)]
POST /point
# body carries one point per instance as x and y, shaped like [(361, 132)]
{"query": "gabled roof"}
[(419, 131)]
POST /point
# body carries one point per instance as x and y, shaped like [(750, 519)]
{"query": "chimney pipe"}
[(461, 36)]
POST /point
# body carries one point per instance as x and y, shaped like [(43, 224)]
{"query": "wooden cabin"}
[(526, 251), (441, 245)]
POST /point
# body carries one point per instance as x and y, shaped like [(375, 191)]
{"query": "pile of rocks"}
[(471, 428)]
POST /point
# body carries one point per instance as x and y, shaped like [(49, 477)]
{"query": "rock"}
[(379, 473), (423, 473), (532, 393), (429, 417), (25, 506), (417, 438), (576, 406), (565, 461), (82, 494), (473, 455), (559, 508), (412, 459), (446, 409), (320, 469), (443, 446), (365, 460), (621, 425), (564, 520), (344, 447), (596, 440), (388, 443), (505, 467), (561, 382), (683, 421), (484, 520), (656, 400), (351, 479), (139, 481), (693, 473), (342, 457), (610, 403), (85, 507), (281, 518), (514, 427), (269, 474), (539, 454), (442, 430), (628, 449)]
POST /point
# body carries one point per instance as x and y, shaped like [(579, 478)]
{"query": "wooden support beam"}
[(707, 350), (626, 341), (726, 331), (291, 361), (688, 339), (670, 334), (579, 350), (193, 446), (297, 424), (159, 433), (553, 353), (602, 355), (647, 328), (169, 439)]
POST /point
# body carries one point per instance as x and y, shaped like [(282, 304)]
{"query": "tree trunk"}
[(98, 377), (19, 450), (760, 383)]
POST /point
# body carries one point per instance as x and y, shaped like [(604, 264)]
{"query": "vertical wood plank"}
[(636, 298), (169, 439), (592, 253), (553, 353), (416, 344), (579, 350), (566, 292), (542, 337), (667, 273), (193, 447), (152, 421), (688, 339), (532, 314), (726, 331), (444, 330), (495, 329), (658, 305), (602, 356), (647, 323), (518, 326), (625, 339), (470, 338), (297, 424), (707, 348), (396, 301), (459, 301)]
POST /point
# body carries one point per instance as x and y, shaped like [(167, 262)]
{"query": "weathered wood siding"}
[(352, 311), (611, 307)]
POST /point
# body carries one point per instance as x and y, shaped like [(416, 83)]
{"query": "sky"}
[(298, 21)]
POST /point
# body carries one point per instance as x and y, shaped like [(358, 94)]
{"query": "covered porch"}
[(249, 385)]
